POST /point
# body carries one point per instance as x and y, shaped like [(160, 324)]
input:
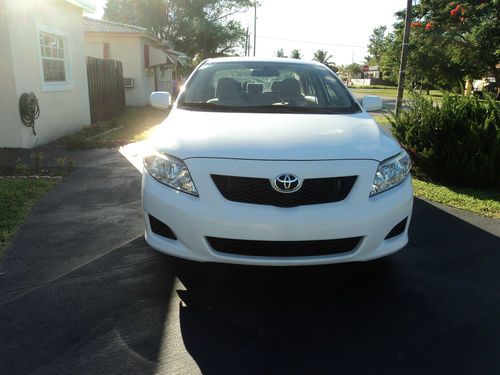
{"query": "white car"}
[(274, 162)]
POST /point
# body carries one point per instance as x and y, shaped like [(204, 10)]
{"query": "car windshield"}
[(252, 86)]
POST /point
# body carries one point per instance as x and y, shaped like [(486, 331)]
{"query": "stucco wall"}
[(10, 125), (61, 112), (129, 50)]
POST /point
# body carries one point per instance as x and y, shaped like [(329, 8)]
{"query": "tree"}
[(199, 28), (353, 70), (471, 31), (449, 43), (376, 45), (280, 53), (322, 57), (296, 54)]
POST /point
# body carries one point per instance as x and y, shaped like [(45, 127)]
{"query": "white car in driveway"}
[(274, 162)]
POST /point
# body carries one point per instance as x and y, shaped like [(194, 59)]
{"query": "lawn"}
[(479, 201), (483, 202), (391, 92), (16, 199), (135, 124)]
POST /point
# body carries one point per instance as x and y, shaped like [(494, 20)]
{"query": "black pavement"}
[(81, 292)]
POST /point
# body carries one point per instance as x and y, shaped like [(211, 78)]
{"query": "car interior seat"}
[(290, 92), (228, 92)]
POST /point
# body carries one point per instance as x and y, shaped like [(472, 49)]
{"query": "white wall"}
[(94, 49), (129, 49), (10, 125), (148, 78), (61, 112)]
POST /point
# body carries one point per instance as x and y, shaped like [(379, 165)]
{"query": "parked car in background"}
[(274, 162)]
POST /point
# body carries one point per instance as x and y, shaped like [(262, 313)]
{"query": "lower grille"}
[(283, 248), (160, 228), (397, 230), (259, 190)]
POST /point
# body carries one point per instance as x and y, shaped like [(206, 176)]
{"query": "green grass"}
[(16, 199), (387, 92), (380, 118), (482, 202), (135, 124), (391, 92)]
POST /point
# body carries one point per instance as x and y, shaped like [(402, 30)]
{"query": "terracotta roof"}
[(91, 25)]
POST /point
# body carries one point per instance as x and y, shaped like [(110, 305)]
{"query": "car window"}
[(252, 86)]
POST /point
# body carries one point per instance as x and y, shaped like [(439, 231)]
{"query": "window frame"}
[(54, 86)]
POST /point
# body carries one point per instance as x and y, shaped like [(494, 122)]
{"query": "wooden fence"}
[(106, 92)]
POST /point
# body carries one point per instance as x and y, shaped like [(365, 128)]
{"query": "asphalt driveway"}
[(81, 292)]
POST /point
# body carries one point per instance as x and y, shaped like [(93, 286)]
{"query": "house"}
[(372, 71), (148, 63), (42, 52)]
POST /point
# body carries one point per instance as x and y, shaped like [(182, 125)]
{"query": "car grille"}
[(259, 190), (283, 248)]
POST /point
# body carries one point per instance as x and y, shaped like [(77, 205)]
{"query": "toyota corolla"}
[(274, 162)]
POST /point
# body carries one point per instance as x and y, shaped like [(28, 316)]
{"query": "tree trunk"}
[(496, 73)]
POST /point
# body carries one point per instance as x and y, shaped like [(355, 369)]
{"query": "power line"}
[(311, 42)]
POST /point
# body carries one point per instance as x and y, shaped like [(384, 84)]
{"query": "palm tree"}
[(322, 56), (295, 54)]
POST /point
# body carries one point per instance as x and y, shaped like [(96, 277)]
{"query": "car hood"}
[(273, 136)]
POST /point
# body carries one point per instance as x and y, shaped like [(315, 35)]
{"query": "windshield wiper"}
[(206, 106), (275, 108)]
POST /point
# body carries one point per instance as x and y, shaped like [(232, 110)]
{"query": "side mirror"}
[(160, 99), (372, 103)]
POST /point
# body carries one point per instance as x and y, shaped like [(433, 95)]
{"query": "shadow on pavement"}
[(106, 317), (432, 308)]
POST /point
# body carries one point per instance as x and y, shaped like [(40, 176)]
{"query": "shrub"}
[(456, 141)]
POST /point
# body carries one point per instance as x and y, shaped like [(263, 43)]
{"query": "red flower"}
[(454, 12), (429, 25), (416, 24)]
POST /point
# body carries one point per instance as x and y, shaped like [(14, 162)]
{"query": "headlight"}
[(171, 172), (391, 173)]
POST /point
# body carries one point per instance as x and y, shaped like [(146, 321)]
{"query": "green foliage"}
[(199, 28), (457, 141), (322, 56), (350, 71), (449, 42), (376, 45), (296, 54)]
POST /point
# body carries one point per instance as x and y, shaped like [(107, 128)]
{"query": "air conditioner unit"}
[(128, 82)]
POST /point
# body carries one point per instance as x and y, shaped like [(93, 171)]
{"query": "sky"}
[(340, 27)]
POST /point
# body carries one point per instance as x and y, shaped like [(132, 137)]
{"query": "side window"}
[(334, 91), (309, 87)]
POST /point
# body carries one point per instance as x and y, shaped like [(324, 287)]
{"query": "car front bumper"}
[(193, 219)]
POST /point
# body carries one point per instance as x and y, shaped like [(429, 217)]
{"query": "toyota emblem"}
[(286, 183)]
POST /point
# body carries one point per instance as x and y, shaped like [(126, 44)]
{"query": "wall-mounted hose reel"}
[(29, 110)]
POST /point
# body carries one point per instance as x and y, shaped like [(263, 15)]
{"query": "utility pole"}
[(255, 27), (404, 57), (246, 43)]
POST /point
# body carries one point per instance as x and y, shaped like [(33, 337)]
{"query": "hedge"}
[(455, 141)]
